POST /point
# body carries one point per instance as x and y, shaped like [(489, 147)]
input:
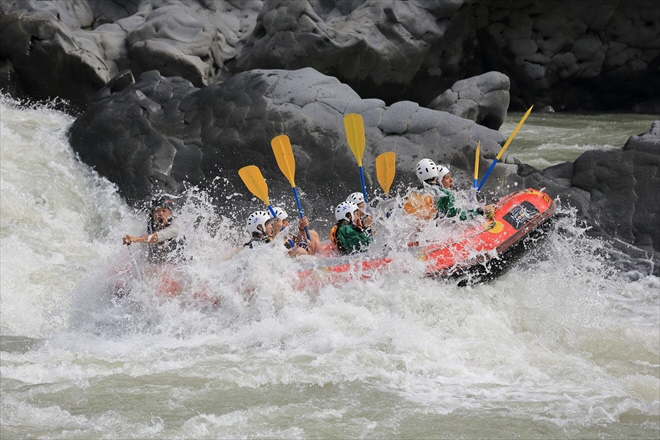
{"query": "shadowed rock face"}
[(588, 54), (390, 49)]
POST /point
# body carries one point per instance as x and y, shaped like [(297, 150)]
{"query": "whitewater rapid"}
[(563, 345)]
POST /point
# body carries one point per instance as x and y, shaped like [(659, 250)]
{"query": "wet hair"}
[(163, 201)]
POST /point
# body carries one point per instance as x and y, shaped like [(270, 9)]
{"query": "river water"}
[(561, 346)]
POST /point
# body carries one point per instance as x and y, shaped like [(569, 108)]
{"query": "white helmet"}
[(280, 213), (426, 169), (442, 171), (343, 209), (258, 218), (356, 197)]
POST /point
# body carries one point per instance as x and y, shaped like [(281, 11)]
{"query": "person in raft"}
[(299, 244), (358, 199), (421, 202), (162, 232), (262, 227), (440, 182), (350, 235)]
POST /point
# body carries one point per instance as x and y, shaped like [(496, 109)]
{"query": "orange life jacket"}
[(421, 206), (333, 237)]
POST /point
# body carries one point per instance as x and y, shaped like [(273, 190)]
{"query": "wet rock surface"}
[(589, 55)]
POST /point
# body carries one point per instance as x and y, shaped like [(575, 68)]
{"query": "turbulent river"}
[(563, 345)]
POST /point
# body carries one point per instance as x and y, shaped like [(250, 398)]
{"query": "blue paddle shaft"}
[(490, 168), (300, 210), (473, 194), (272, 211), (364, 193), (364, 189)]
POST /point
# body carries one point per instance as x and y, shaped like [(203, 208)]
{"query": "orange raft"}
[(481, 253), (477, 254)]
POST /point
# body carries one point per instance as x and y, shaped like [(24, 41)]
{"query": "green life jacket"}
[(352, 239), (445, 204)]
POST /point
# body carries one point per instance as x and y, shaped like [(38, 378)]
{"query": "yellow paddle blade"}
[(476, 161), (255, 182), (284, 156), (355, 135), (385, 169), (508, 141)]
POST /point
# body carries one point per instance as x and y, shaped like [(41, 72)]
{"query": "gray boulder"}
[(591, 54), (616, 192), (483, 99), (83, 44), (387, 48), (42, 57)]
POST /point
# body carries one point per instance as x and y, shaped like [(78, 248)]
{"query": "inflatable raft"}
[(477, 254), (484, 252)]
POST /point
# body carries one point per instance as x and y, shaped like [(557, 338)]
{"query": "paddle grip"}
[(300, 210)]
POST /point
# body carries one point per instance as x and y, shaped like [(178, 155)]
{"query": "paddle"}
[(385, 169), (499, 155), (285, 160), (255, 182), (355, 137), (476, 166), (475, 183)]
